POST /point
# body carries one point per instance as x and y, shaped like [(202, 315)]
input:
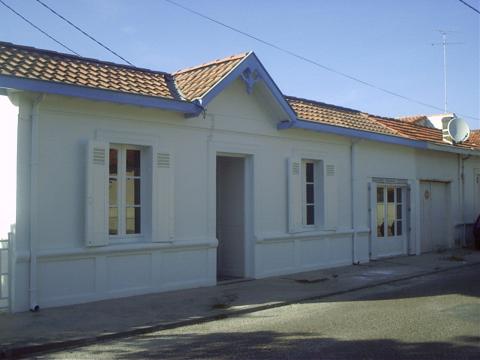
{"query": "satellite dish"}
[(458, 130)]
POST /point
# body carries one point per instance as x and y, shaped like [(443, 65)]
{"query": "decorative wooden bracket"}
[(250, 78)]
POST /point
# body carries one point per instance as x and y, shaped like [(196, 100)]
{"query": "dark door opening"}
[(230, 217)]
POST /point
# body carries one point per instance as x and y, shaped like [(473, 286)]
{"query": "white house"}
[(134, 181)]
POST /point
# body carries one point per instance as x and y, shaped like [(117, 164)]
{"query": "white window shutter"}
[(294, 195), (162, 196), (97, 189), (372, 212), (331, 196)]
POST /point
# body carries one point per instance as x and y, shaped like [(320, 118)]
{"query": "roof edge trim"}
[(13, 82), (348, 132)]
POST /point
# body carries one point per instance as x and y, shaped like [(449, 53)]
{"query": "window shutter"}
[(163, 197), (331, 196), (294, 195), (97, 186), (372, 211)]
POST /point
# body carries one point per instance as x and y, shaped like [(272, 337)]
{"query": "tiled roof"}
[(32, 63), (339, 116), (474, 137), (422, 133), (192, 83), (195, 82), (335, 115)]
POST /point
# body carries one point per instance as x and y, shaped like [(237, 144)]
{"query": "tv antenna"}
[(444, 43)]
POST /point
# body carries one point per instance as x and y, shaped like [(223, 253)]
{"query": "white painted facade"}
[(55, 265)]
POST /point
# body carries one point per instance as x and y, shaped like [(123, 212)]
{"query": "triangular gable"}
[(203, 83)]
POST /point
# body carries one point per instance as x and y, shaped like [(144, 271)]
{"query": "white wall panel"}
[(190, 266), (129, 272), (59, 279)]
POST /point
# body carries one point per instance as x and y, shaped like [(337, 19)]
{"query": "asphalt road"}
[(432, 317)]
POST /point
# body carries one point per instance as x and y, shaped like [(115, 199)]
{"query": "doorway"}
[(476, 183), (231, 217), (390, 220), (433, 215)]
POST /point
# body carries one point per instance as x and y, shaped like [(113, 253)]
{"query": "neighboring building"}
[(133, 181)]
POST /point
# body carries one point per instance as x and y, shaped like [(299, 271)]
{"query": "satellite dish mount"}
[(456, 131)]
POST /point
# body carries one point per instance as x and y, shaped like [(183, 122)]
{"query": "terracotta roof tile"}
[(474, 138), (339, 116), (423, 133), (335, 115), (195, 82), (32, 63)]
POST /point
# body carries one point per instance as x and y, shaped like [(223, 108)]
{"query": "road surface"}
[(432, 317)]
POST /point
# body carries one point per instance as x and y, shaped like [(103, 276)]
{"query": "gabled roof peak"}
[(214, 62)]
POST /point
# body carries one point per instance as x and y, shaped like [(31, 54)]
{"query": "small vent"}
[(295, 168), (99, 156), (330, 170), (163, 160)]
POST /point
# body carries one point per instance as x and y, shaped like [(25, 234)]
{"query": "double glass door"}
[(389, 234)]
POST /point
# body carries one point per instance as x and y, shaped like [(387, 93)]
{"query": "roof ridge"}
[(410, 116), (408, 123), (342, 108), (213, 62), (83, 58)]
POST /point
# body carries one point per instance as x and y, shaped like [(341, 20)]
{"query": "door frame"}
[(476, 186), (406, 215), (449, 210), (250, 153), (246, 205)]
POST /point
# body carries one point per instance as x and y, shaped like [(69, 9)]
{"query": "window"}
[(309, 196), (129, 192), (125, 190), (306, 195), (390, 210)]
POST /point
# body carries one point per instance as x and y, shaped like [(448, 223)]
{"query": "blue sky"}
[(385, 42)]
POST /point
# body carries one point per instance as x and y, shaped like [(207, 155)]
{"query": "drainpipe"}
[(462, 184), (34, 202), (353, 153)]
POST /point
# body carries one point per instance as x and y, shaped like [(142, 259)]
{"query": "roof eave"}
[(367, 135), (50, 87), (453, 149)]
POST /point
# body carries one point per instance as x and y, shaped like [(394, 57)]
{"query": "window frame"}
[(122, 205), (316, 193)]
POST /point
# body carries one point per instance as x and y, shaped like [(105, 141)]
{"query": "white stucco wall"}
[(8, 149), (236, 123)]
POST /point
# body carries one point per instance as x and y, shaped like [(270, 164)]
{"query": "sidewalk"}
[(26, 333)]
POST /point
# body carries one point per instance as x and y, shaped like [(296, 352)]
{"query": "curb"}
[(18, 352)]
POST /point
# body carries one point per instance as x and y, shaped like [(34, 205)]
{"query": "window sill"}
[(126, 239), (118, 248)]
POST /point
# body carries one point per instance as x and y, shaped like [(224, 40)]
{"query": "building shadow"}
[(274, 345)]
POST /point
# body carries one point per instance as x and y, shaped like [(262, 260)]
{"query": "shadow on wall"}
[(273, 345)]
